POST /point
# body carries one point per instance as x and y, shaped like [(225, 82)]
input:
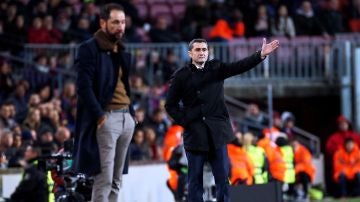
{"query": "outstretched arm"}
[(231, 69)]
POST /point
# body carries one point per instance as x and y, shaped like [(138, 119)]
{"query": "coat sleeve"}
[(173, 98), (85, 79), (227, 70)]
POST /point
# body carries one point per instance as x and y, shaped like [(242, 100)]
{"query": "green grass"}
[(340, 200)]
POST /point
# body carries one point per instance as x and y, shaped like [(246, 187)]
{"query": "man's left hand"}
[(266, 49)]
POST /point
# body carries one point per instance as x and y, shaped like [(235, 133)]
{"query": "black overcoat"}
[(196, 101), (98, 72)]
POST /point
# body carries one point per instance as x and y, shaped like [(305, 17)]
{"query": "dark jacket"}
[(96, 82), (33, 187), (203, 114)]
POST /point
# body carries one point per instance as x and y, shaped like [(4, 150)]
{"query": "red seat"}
[(354, 25)]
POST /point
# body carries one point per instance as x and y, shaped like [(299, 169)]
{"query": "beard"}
[(114, 36)]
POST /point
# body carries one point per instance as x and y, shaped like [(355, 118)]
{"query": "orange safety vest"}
[(171, 140), (303, 162), (242, 167), (346, 163), (277, 165)]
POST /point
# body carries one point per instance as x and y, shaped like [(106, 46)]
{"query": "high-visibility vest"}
[(288, 157), (257, 155)]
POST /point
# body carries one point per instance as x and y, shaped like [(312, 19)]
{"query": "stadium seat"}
[(354, 25), (156, 9), (178, 10)]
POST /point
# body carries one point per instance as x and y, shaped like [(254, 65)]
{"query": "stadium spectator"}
[(32, 122), (262, 23), (347, 168), (37, 33), (54, 35), (242, 168), (254, 119), (159, 123), (131, 32), (305, 171), (226, 30), (17, 33), (332, 18), (18, 98), (288, 120), (7, 82), (61, 136), (282, 24), (6, 119), (197, 16), (306, 22), (138, 148), (337, 139), (154, 149), (160, 32)]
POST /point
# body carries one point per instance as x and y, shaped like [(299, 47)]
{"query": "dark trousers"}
[(349, 186), (219, 162)]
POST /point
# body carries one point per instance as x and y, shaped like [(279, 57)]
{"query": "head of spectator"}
[(45, 93), (69, 90), (62, 134), (334, 5), (306, 9), (140, 114), (161, 23), (139, 137), (83, 24), (17, 140), (6, 140), (158, 115), (63, 22), (37, 23), (238, 138), (48, 22), (46, 136), (294, 142), (41, 9), (33, 119), (31, 153), (343, 123), (253, 111), (20, 22), (5, 68), (248, 139), (150, 136), (349, 145), (12, 110), (11, 12), (34, 100), (5, 110), (20, 90)]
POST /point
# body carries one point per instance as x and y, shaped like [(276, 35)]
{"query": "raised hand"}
[(266, 49)]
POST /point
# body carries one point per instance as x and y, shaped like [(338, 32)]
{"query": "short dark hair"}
[(107, 8), (191, 44)]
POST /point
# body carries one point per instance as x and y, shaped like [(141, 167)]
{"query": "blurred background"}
[(306, 91)]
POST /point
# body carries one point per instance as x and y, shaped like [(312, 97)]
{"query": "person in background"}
[(304, 169), (347, 168), (242, 168), (337, 139)]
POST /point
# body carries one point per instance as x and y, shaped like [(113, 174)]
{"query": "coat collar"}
[(107, 43)]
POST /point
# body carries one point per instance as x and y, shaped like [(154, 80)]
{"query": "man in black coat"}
[(199, 87), (104, 124)]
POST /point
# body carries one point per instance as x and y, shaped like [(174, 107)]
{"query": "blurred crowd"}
[(73, 21)]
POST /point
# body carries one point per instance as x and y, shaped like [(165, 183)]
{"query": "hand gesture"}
[(266, 49)]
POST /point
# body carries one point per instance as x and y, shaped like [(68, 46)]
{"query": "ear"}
[(189, 53), (102, 23)]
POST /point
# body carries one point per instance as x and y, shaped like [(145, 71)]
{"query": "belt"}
[(126, 110)]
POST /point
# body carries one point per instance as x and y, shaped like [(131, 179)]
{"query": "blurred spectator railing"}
[(301, 58)]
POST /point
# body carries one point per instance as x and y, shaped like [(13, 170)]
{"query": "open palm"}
[(266, 49)]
